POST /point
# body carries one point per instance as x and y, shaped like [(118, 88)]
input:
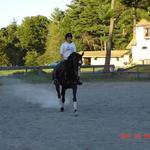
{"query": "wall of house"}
[(126, 59), (97, 61), (118, 62), (141, 51)]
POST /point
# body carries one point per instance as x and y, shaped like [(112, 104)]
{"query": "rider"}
[(67, 48)]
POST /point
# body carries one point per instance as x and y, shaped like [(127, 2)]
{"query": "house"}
[(119, 58), (140, 44), (137, 51)]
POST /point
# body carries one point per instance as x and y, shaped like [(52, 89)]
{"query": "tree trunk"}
[(105, 45), (134, 21), (101, 44), (109, 45)]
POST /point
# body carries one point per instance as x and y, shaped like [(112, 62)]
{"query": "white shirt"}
[(66, 49)]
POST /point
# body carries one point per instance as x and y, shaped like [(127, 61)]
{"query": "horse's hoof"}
[(61, 109), (75, 113)]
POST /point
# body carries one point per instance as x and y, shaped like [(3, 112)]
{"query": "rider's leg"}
[(56, 70)]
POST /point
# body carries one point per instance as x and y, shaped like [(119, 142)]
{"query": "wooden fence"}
[(26, 68), (137, 68), (131, 72)]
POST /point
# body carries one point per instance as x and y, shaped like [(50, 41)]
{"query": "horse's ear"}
[(82, 53)]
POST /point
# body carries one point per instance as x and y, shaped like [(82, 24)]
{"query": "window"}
[(144, 47), (117, 58), (87, 61), (147, 32)]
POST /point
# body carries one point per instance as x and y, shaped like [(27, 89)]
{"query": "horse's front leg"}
[(63, 90), (57, 89), (74, 97)]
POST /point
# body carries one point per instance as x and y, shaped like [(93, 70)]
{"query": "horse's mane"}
[(73, 55)]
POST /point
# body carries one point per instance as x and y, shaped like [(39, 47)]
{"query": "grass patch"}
[(10, 72), (85, 77), (91, 69), (46, 76), (140, 69), (36, 77), (144, 69)]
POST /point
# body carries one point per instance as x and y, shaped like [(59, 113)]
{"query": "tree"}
[(53, 43), (33, 33), (57, 15), (54, 39), (109, 46), (9, 45), (134, 5), (142, 4), (3, 59), (90, 20), (31, 58)]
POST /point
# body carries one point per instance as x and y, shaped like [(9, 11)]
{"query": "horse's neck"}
[(69, 66)]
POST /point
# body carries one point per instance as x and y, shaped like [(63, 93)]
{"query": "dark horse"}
[(66, 76)]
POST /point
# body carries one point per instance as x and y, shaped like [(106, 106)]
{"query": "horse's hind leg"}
[(59, 96), (62, 99)]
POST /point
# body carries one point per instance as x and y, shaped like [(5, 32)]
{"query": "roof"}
[(143, 22), (114, 53), (132, 43)]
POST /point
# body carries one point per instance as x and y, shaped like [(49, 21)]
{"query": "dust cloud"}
[(43, 94)]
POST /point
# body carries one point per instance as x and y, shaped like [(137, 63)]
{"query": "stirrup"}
[(79, 83)]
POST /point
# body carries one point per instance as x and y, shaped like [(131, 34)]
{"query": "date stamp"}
[(136, 136)]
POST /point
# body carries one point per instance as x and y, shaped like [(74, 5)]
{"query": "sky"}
[(18, 9)]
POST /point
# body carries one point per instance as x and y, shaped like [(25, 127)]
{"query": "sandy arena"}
[(30, 120)]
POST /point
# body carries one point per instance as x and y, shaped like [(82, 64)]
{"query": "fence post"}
[(26, 70), (39, 70), (93, 69), (138, 72)]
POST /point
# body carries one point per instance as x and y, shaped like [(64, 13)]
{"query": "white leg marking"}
[(60, 103), (75, 105)]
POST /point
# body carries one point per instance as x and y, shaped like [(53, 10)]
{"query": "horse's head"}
[(75, 60)]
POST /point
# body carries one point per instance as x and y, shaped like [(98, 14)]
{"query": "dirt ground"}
[(29, 117)]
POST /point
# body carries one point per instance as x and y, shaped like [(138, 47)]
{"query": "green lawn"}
[(10, 72), (144, 69), (45, 76), (140, 69)]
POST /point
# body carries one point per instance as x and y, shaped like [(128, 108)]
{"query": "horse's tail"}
[(56, 83)]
